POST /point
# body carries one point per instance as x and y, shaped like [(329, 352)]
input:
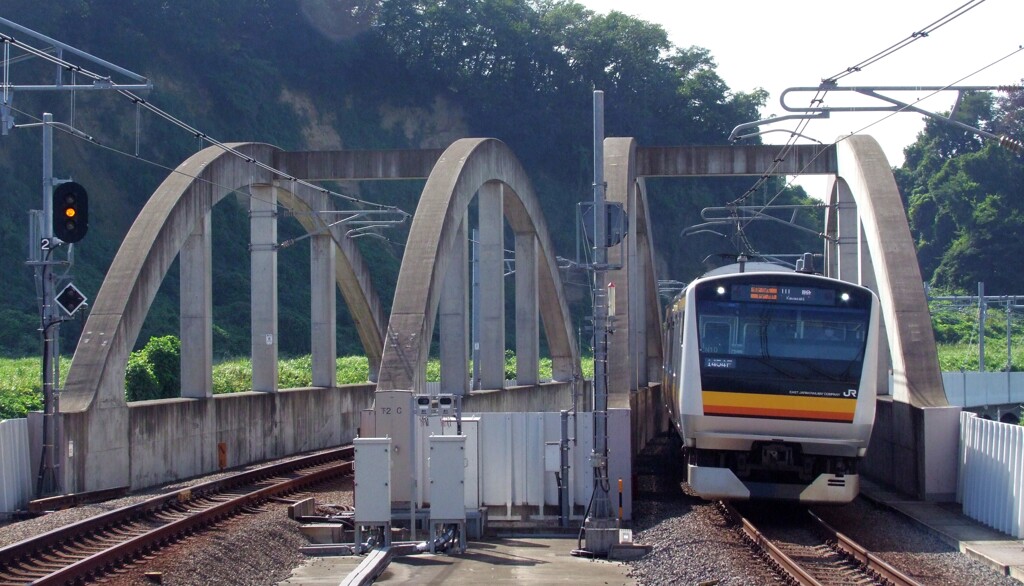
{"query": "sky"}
[(797, 43)]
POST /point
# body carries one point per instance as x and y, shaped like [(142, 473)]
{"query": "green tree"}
[(140, 383), (963, 197), (293, 72)]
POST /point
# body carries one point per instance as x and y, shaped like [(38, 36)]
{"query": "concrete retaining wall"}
[(911, 449)]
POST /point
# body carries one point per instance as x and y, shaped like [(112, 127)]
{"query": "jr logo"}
[(850, 393)]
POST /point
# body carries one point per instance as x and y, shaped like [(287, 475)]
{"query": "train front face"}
[(778, 391)]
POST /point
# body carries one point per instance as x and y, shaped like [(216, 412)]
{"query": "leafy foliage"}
[(20, 387), (21, 384), (164, 354), (140, 383), (963, 197), (232, 376), (155, 371), (361, 74)]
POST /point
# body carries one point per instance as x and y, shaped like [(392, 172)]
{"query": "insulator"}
[(1011, 144), (1009, 88)]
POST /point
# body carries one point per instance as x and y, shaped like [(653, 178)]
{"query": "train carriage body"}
[(771, 376)]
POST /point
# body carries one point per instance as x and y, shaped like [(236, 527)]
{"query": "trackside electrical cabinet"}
[(394, 418), (448, 477), (373, 481)]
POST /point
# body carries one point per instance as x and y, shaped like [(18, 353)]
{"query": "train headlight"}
[(845, 297), (720, 290)]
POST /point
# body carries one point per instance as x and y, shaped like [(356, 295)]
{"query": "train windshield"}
[(781, 334)]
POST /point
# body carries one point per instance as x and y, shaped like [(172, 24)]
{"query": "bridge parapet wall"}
[(983, 389), (544, 397), (179, 438)]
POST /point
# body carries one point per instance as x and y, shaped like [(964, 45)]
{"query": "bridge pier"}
[(323, 307), (454, 310), (491, 269), (196, 305), (263, 258), (527, 312)]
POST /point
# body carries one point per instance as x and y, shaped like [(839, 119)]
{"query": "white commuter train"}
[(771, 381)]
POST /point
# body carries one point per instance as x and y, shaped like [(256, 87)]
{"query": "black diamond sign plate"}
[(70, 299)]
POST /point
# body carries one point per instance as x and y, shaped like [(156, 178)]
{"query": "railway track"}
[(810, 552), (88, 549)]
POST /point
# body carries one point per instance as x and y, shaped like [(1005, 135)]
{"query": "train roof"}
[(749, 267)]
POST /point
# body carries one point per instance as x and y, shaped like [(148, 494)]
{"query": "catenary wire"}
[(819, 97), (887, 116), (916, 36), (244, 193), (139, 101)]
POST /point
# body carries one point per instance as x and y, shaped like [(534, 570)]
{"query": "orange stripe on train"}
[(781, 406), (780, 414)]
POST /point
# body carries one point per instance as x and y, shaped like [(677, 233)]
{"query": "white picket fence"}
[(15, 470), (991, 478)]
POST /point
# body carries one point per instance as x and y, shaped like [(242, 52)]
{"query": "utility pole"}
[(47, 480), (982, 317), (601, 529), (43, 241)]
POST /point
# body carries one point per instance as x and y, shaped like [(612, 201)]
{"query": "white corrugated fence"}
[(15, 471), (991, 475)]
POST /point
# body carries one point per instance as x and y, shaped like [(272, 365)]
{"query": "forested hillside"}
[(360, 74), (965, 198)]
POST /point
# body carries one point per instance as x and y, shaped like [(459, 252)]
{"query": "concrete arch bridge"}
[(106, 442)]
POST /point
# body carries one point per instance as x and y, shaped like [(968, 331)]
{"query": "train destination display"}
[(784, 294)]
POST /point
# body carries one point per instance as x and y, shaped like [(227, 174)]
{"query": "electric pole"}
[(71, 205)]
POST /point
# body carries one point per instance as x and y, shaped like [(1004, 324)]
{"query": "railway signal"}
[(70, 299), (70, 212)]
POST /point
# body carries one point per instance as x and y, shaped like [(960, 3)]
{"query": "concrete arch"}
[(352, 274), (637, 307), (467, 167), (889, 267), (93, 409)]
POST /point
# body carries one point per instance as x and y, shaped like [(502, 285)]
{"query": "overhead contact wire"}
[(916, 36), (7, 39), (823, 91), (156, 164)]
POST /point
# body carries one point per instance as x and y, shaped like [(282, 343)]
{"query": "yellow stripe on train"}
[(779, 406)]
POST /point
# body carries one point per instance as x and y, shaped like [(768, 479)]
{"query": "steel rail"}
[(868, 562), (174, 504), (872, 562), (783, 561)]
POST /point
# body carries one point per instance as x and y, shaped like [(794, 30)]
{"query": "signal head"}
[(70, 212)]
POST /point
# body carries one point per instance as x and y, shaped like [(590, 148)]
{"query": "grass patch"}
[(21, 384), (21, 378)]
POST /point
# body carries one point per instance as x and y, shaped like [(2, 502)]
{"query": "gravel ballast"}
[(691, 542)]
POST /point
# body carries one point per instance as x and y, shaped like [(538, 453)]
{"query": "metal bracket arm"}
[(894, 105)]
